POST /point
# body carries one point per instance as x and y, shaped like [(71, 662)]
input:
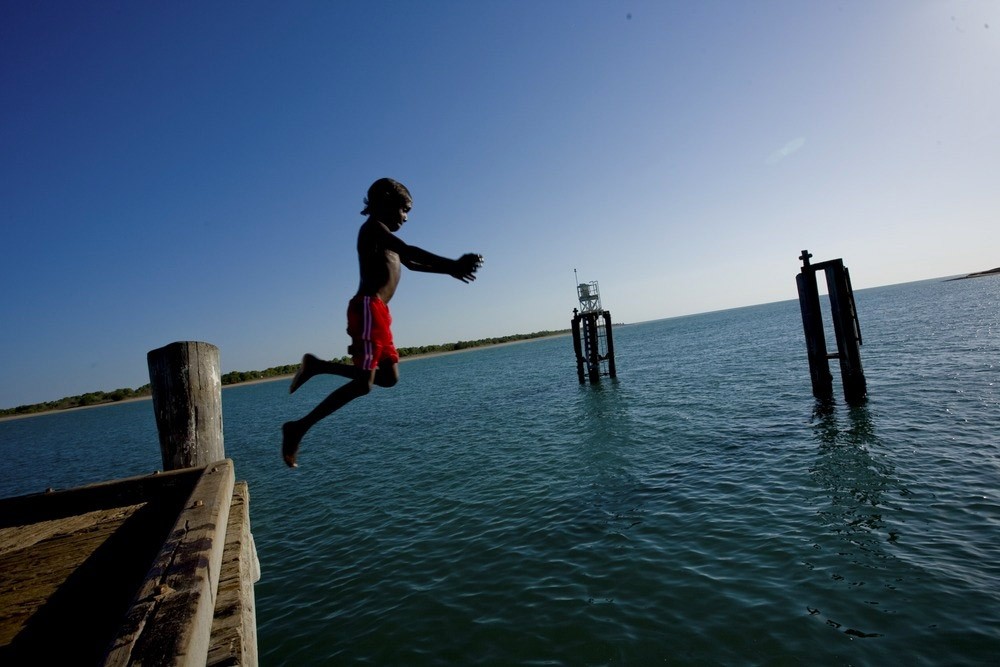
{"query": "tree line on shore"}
[(237, 377)]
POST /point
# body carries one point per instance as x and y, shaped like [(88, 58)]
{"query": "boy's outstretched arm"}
[(464, 268)]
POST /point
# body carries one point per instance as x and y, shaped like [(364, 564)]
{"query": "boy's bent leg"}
[(312, 365), (304, 373)]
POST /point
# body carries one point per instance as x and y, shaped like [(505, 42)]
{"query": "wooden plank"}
[(170, 621), (20, 538), (24, 510), (73, 560), (234, 628), (39, 559), (178, 567)]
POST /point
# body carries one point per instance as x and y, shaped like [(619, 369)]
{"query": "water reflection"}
[(856, 482), (608, 435), (856, 478)]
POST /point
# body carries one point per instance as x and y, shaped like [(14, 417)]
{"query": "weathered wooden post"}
[(812, 325), (577, 346), (612, 372), (187, 399), (845, 326)]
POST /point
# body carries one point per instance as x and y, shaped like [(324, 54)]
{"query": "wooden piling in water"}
[(846, 329), (612, 371), (812, 324), (577, 346)]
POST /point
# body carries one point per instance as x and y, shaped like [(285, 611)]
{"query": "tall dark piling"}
[(594, 345), (612, 372), (812, 324), (847, 330), (578, 346), (187, 400), (845, 325)]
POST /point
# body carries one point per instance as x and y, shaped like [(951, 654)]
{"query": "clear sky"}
[(195, 170)]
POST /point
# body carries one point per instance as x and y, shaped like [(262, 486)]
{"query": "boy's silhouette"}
[(381, 254)]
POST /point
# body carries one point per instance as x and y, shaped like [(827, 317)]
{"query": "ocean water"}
[(700, 509)]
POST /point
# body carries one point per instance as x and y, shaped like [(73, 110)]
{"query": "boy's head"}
[(386, 194)]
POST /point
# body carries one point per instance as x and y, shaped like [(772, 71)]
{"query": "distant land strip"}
[(979, 274), (238, 377)]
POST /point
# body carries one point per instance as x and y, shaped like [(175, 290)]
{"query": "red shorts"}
[(368, 323)]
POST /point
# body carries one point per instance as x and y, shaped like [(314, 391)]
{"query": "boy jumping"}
[(380, 255)]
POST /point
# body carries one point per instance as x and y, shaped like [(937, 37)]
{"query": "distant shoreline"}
[(409, 357), (979, 274)]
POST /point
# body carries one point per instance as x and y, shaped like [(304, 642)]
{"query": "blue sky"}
[(195, 171)]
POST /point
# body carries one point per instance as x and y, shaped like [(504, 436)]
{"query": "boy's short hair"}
[(386, 190)]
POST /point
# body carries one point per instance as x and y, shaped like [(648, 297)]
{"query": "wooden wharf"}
[(150, 570)]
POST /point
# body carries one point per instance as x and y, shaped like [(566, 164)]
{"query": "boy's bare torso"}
[(379, 265)]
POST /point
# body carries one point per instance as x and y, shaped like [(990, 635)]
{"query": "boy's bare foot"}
[(305, 372), (290, 438)]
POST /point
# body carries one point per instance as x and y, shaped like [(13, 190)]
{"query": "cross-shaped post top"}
[(805, 257)]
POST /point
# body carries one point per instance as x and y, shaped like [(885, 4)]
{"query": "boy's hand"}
[(466, 267)]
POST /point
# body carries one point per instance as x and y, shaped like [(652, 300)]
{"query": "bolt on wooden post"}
[(186, 385)]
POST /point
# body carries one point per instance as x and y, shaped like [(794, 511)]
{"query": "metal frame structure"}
[(592, 341)]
